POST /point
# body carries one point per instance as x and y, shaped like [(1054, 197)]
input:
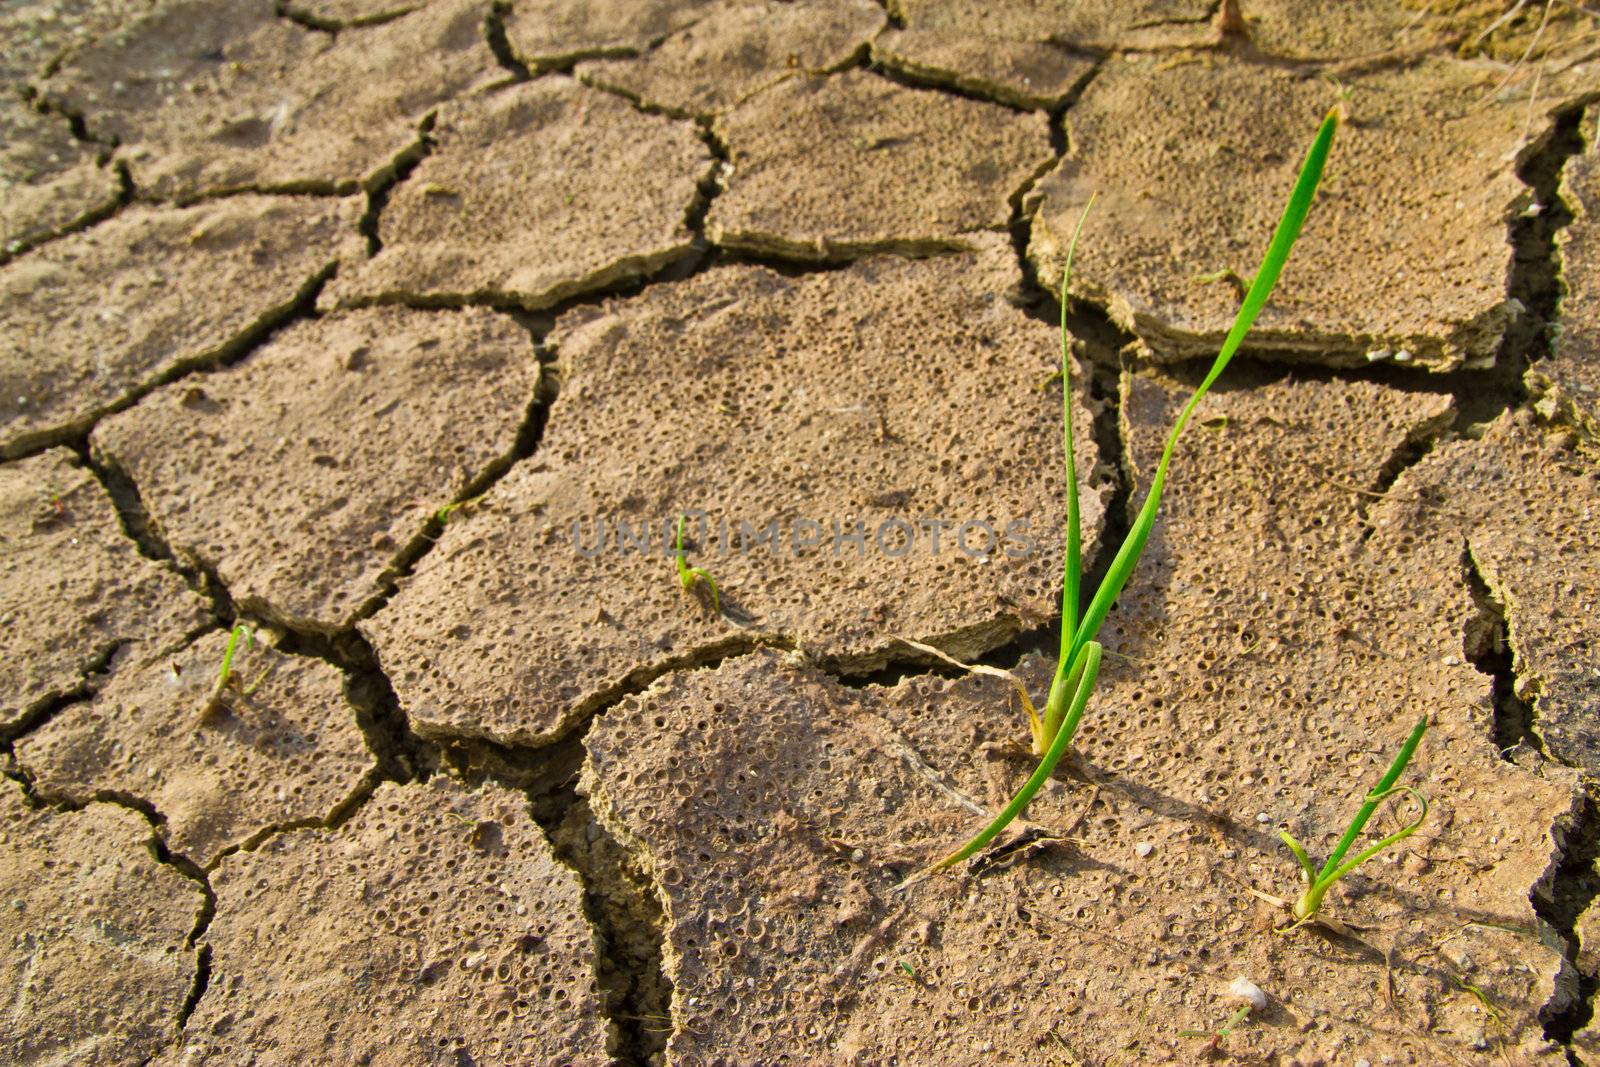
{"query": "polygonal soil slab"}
[(39, 34), (1527, 506), (49, 181), (835, 167), (435, 927), (344, 14), (883, 397), (1570, 379), (1404, 256), (1095, 24), (738, 50), (1026, 74), (92, 936), (96, 318), (339, 439), (288, 751), (553, 33), (73, 588), (598, 189), (1267, 665), (1350, 30), (207, 97)]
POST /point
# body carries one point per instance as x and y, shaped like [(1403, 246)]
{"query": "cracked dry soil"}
[(338, 330)]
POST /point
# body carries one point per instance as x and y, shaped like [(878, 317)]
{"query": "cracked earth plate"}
[(554, 33), (886, 395), (50, 182), (1405, 256), (738, 50), (73, 587), (434, 927), (1025, 74), (99, 317), (776, 809), (599, 189), (832, 168), (286, 752), (204, 98), (93, 936), (1524, 505), (1569, 380), (341, 439), (1094, 25)]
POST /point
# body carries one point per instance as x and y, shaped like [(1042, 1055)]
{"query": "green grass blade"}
[(1086, 671), (1384, 787), (1283, 239), (1072, 579), (1400, 835), (1299, 853)]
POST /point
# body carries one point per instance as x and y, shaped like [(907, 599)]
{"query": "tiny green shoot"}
[(1079, 663), (225, 676), (1222, 1031), (445, 513), (688, 576), (1319, 882)]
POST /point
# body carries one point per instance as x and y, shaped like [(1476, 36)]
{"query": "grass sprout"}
[(225, 675), (1320, 881), (689, 577), (1079, 662)]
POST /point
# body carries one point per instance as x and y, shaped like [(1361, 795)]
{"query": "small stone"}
[(1143, 849), (1247, 990)]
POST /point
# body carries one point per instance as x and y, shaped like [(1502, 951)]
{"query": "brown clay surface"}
[(596, 191), (1526, 509), (753, 396), (98, 317), (288, 751), (550, 33), (776, 809), (49, 181), (1177, 199), (343, 14), (1097, 24), (206, 98), (1570, 379), (73, 587), (828, 168), (339, 439), (1026, 74), (738, 50), (93, 936), (356, 320), (435, 927)]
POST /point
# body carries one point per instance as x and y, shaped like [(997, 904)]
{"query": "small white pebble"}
[(1143, 849), (1451, 661), (1263, 818), (1363, 1063), (1247, 990)]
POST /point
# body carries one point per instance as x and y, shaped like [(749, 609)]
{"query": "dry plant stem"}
[(1079, 663)]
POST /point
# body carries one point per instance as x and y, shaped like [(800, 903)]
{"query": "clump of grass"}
[(689, 577), (1318, 882), (1079, 663)]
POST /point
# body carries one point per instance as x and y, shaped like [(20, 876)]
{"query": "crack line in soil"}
[(381, 184), (1486, 640)]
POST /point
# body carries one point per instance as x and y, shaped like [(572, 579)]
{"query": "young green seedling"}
[(688, 576), (1079, 663), (225, 678), (1319, 882)]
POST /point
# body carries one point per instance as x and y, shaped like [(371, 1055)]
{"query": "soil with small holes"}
[(480, 479)]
